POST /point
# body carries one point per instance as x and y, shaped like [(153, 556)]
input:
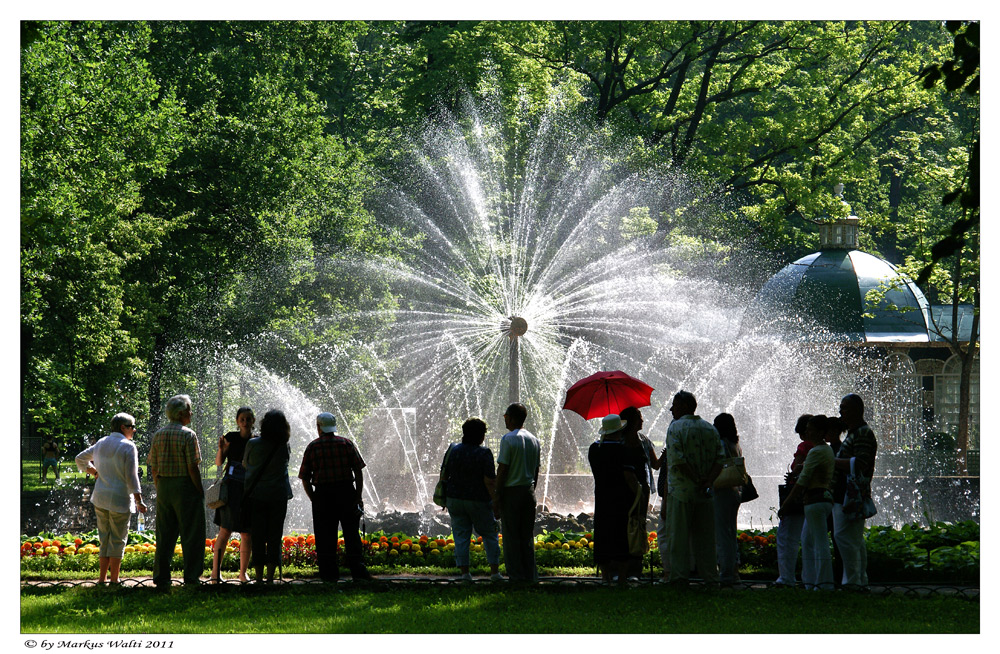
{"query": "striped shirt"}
[(330, 459), (174, 448), (696, 442)]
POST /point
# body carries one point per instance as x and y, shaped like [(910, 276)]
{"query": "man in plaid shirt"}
[(333, 481), (173, 461)]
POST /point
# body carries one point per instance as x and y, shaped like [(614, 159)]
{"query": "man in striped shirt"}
[(173, 460), (332, 478), (859, 445)]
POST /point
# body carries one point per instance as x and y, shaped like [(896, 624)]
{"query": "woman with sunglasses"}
[(114, 461)]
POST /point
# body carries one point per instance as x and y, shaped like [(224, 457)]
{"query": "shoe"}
[(362, 575), (496, 576), (466, 577)]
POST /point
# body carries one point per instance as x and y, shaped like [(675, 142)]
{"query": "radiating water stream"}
[(566, 238)]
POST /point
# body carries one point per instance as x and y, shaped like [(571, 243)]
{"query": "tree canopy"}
[(176, 174)]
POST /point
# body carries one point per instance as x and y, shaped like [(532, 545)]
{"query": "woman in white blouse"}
[(114, 461)]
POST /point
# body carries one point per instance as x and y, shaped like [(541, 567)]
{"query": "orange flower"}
[(46, 543), (77, 542), (301, 540), (383, 539), (311, 540), (57, 543), (479, 540), (209, 542), (288, 540)]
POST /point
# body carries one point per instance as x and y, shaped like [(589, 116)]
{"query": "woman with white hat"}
[(616, 481)]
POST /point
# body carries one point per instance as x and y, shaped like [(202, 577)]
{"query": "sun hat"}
[(612, 423), (327, 423)]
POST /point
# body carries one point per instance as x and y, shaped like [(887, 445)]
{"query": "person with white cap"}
[(332, 478), (616, 480)]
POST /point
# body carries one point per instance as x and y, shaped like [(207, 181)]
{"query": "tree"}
[(770, 112), (96, 130)]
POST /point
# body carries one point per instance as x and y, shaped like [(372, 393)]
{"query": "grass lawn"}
[(480, 608)]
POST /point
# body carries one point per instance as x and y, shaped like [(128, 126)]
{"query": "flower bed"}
[(942, 551)]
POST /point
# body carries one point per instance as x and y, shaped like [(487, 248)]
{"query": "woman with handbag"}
[(790, 523), (470, 478), (617, 486), (634, 440), (229, 458), (267, 491), (726, 502), (814, 485)]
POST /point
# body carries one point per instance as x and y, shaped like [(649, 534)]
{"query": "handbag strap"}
[(444, 464)]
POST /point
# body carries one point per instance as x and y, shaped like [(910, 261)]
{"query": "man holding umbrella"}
[(517, 474), (694, 456)]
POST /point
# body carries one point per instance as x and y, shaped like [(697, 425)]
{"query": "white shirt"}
[(520, 450), (117, 463)]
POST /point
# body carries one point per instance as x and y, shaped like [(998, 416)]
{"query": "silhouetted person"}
[(518, 463), (174, 457), (694, 459), (332, 478), (861, 446)]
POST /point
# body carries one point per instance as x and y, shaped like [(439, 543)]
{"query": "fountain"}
[(555, 231)]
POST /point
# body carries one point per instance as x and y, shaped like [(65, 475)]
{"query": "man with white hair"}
[(174, 456)]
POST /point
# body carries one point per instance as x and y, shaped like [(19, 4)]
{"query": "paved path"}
[(909, 589)]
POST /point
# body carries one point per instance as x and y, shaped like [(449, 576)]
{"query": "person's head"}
[(800, 425), (473, 431), (816, 429), (852, 410), (245, 419), (834, 428), (725, 424), (632, 417), (611, 425), (683, 404), (178, 409), (326, 423), (274, 427), (515, 415), (124, 424)]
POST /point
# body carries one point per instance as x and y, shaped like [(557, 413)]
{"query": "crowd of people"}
[(698, 508)]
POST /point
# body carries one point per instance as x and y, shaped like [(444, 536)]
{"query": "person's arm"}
[(359, 484), (85, 461), (195, 474), (220, 455)]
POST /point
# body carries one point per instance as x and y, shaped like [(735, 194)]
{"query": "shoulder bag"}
[(858, 503), (440, 495), (638, 543), (733, 473), (217, 494), (748, 491)]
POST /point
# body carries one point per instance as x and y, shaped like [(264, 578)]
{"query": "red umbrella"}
[(606, 392)]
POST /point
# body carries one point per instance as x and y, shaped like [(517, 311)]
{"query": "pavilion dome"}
[(822, 296)]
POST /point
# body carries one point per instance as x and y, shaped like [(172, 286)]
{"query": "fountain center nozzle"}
[(518, 326)]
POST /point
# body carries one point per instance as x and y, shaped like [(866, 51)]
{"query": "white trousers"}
[(850, 535), (817, 563), (789, 535)]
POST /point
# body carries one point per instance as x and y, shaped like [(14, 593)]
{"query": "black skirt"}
[(227, 516)]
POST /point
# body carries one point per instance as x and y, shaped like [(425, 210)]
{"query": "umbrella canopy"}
[(606, 392)]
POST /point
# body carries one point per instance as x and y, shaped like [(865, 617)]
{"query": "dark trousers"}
[(517, 517), (266, 525), (180, 511), (334, 504)]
